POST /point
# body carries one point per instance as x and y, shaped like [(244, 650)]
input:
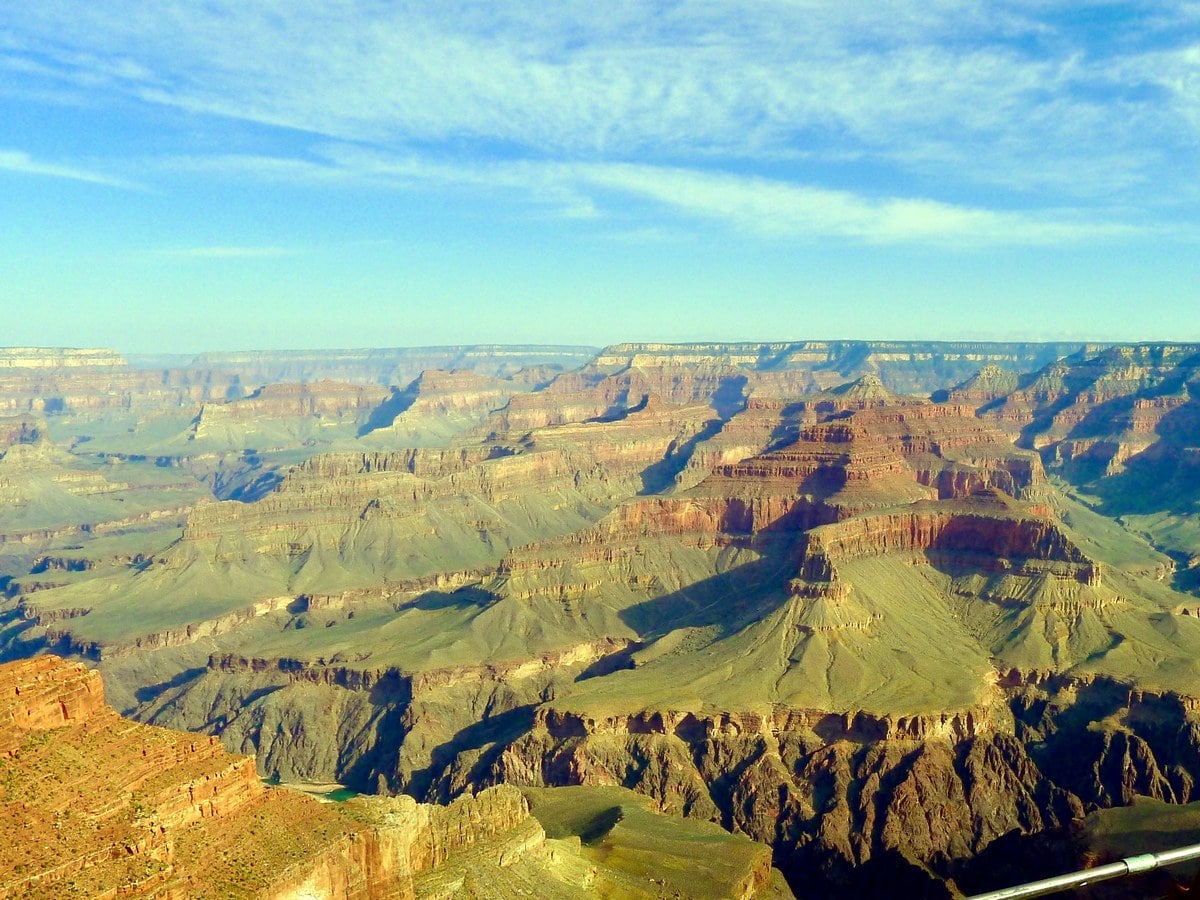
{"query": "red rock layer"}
[(980, 530), (855, 451), (93, 805), (1122, 390), (877, 452)]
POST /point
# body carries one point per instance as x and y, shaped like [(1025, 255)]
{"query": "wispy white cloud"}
[(762, 206), (23, 163), (620, 78), (776, 208), (940, 101)]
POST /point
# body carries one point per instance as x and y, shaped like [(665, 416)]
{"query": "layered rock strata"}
[(835, 456), (94, 806), (848, 799), (910, 366), (321, 399)]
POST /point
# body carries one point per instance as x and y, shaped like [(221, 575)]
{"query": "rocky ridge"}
[(97, 806), (908, 366)]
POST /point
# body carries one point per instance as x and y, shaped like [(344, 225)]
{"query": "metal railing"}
[(1129, 866)]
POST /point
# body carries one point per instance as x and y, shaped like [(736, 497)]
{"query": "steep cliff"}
[(94, 806), (437, 406), (852, 801), (908, 366), (1122, 426)]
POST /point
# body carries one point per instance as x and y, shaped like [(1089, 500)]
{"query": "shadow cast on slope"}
[(613, 662), (659, 476), (730, 398), (1163, 478), (464, 597), (385, 413), (154, 691), (489, 737), (726, 601), (369, 772)]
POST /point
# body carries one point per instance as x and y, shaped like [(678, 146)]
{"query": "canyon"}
[(97, 806), (878, 609)]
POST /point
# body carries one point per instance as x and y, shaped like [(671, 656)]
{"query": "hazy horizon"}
[(149, 354)]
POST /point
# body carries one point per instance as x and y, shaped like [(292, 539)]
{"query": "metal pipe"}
[(1129, 866)]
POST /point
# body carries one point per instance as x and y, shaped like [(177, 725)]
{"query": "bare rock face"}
[(55, 381), (985, 531), (439, 406), (910, 366), (43, 693), (93, 805), (860, 796), (838, 800), (988, 385), (70, 382), (321, 399), (838, 454), (89, 806), (1108, 396), (62, 358), (396, 366)]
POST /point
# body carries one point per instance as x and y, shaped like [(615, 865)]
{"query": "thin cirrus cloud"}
[(730, 77), (21, 162), (943, 120), (771, 208), (760, 206)]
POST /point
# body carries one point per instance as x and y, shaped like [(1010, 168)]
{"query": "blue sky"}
[(181, 176)]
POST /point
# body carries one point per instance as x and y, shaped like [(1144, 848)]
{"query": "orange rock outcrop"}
[(93, 805)]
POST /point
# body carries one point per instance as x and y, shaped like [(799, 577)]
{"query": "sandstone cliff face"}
[(69, 382), (910, 366), (395, 366), (339, 720), (987, 529), (737, 562), (42, 694), (97, 806), (595, 393), (1124, 426), (92, 805), (59, 382), (344, 522), (990, 384), (341, 486), (340, 489), (877, 450), (455, 392), (1092, 395), (844, 796), (322, 400), (438, 407), (61, 358)]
